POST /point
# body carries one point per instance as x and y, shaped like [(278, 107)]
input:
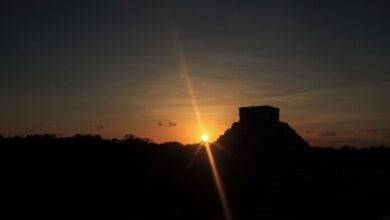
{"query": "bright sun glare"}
[(205, 138)]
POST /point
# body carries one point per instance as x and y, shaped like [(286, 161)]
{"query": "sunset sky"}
[(114, 67)]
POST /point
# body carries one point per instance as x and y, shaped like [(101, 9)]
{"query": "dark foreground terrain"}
[(86, 177), (268, 170)]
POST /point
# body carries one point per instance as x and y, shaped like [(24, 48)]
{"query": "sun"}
[(205, 138)]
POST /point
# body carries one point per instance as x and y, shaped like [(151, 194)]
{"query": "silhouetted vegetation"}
[(88, 177)]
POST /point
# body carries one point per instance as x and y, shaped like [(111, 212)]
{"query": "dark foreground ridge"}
[(269, 173)]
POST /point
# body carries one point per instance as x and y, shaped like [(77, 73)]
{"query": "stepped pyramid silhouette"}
[(259, 126)]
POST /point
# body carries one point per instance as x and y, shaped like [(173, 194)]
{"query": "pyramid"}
[(259, 128)]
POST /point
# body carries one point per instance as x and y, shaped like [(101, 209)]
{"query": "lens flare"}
[(217, 179), (218, 183)]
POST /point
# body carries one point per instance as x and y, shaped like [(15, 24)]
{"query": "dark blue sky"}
[(74, 66)]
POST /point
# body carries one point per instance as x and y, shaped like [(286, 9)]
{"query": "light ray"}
[(224, 149), (217, 179), (186, 76), (198, 148), (218, 183)]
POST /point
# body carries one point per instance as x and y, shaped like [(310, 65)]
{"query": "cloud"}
[(346, 141), (328, 133), (168, 124), (100, 127), (380, 130), (171, 124)]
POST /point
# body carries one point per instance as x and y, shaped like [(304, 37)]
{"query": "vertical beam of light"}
[(186, 76), (218, 183), (217, 179)]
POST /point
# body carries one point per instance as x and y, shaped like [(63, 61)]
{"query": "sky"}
[(114, 67)]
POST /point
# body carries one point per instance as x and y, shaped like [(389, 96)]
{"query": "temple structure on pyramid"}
[(259, 127)]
